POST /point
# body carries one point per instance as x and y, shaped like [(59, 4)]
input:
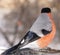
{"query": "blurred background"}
[(17, 16)]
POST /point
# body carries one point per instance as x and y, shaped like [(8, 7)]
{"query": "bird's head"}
[(46, 10)]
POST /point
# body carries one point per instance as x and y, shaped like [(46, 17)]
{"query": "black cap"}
[(46, 10)]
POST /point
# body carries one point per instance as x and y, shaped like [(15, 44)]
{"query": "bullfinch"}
[(39, 35)]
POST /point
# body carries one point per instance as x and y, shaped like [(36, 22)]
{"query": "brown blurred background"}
[(17, 16)]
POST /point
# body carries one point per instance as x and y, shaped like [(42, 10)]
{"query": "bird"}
[(41, 33)]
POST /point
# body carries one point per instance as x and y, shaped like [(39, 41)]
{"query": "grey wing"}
[(42, 22)]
